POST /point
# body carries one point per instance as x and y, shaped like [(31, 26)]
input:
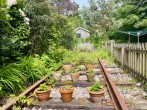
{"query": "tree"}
[(65, 7), (50, 28), (14, 30), (99, 15), (99, 19), (133, 16)]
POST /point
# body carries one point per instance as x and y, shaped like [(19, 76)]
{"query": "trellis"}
[(134, 33)]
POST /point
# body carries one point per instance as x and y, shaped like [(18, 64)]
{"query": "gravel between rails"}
[(132, 93)]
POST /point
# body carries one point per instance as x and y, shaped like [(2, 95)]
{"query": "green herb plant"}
[(67, 87), (16, 108), (67, 61), (24, 101), (43, 87), (82, 67), (95, 87), (90, 71), (51, 81), (74, 70)]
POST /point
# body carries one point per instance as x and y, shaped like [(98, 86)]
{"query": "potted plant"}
[(90, 75), (89, 63), (74, 73), (66, 65), (43, 92), (57, 75), (66, 93), (96, 92), (82, 67)]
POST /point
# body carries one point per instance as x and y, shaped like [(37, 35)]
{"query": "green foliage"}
[(95, 87), (11, 78), (51, 81), (49, 29), (14, 31), (21, 101), (65, 7), (84, 47), (43, 87), (67, 60), (97, 40), (90, 71), (132, 16), (24, 101), (98, 16), (28, 70), (82, 67), (74, 70), (46, 32), (67, 87), (56, 55), (89, 57), (16, 108)]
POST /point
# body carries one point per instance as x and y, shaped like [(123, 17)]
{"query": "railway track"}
[(119, 102), (113, 99)]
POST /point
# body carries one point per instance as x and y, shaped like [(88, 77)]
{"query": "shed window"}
[(79, 35)]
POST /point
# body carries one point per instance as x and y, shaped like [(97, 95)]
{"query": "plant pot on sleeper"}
[(74, 73), (96, 92), (57, 75), (66, 93), (67, 65), (90, 75), (89, 65), (73, 63), (43, 92)]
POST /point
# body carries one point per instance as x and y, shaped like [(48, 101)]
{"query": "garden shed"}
[(82, 33)]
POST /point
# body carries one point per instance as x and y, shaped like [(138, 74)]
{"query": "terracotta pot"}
[(97, 96), (74, 77), (67, 68), (66, 95), (43, 95), (73, 64), (90, 76), (89, 66), (56, 75)]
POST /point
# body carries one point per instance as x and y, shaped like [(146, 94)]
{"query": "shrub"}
[(84, 47), (15, 76)]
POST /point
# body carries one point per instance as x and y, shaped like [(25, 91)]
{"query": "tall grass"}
[(14, 77), (76, 56)]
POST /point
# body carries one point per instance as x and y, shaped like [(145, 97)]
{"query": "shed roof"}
[(80, 28)]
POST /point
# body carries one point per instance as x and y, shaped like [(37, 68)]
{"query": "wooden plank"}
[(75, 104), (85, 83)]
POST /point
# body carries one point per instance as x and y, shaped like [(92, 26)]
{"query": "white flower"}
[(27, 23), (26, 19), (11, 2), (8, 15), (22, 13)]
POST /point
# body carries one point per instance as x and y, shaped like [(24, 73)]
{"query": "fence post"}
[(122, 56), (112, 46)]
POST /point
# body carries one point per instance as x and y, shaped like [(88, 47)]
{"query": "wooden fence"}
[(132, 56)]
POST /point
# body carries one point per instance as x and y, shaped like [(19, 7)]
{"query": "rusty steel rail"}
[(8, 105), (119, 102)]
